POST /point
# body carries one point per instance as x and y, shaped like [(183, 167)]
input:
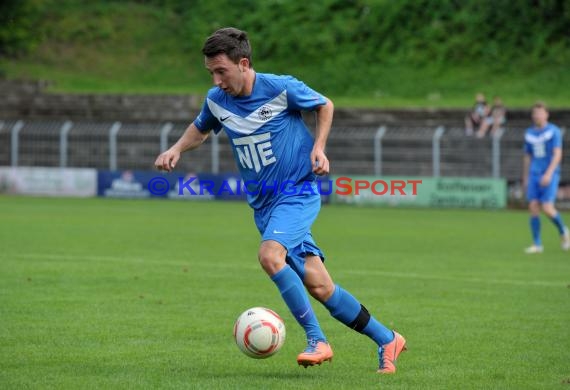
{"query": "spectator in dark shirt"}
[(496, 118), (477, 115)]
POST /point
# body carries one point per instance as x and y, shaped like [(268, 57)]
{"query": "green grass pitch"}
[(115, 294)]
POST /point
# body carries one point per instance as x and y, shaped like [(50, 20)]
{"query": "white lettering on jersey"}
[(254, 151), (539, 150), (538, 142)]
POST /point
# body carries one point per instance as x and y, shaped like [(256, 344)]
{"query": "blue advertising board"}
[(174, 185), (180, 185)]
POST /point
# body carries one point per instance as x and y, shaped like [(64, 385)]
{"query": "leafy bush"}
[(19, 33), (343, 45)]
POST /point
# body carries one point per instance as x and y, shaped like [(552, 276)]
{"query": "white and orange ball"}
[(259, 332)]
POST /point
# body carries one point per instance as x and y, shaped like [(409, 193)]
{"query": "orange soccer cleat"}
[(315, 353), (565, 239), (388, 353)]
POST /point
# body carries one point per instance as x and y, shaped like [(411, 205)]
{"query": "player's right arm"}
[(191, 139), (527, 159), (526, 167)]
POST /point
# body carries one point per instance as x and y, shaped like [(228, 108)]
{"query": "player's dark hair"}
[(228, 40), (540, 104)]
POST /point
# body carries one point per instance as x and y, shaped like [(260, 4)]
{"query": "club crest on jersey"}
[(254, 151), (265, 113)]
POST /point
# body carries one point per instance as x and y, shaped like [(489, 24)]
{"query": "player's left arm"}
[(554, 162), (556, 158), (319, 160)]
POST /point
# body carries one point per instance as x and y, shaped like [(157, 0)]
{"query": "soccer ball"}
[(259, 332)]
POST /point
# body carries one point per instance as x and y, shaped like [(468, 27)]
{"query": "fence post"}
[(215, 154), (113, 145), (164, 131), (15, 141), (378, 150), (436, 154), (63, 132), (496, 153)]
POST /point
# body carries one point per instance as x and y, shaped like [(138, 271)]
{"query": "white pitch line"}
[(190, 262)]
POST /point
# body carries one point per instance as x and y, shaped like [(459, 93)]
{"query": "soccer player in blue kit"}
[(543, 153), (261, 115)]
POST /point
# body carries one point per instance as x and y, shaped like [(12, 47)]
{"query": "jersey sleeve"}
[(301, 97), (557, 138), (206, 121), (527, 146)]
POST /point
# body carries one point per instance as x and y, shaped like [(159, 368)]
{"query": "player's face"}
[(227, 75), (539, 116)]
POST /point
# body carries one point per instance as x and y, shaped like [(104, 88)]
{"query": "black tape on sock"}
[(361, 320)]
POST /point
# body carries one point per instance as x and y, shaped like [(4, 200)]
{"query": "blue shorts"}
[(543, 194), (288, 221)]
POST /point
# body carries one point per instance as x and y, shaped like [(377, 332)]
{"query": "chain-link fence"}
[(383, 150)]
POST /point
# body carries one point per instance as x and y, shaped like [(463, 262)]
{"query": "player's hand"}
[(545, 180), (319, 162), (167, 161)]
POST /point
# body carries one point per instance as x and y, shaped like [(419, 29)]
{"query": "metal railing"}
[(385, 150)]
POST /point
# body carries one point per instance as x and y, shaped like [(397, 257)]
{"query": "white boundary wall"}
[(75, 182)]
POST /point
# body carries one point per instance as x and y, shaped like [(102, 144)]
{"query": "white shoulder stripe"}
[(259, 117), (539, 138)]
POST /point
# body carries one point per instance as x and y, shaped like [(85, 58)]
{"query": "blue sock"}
[(557, 220), (345, 308), (535, 229), (295, 296)]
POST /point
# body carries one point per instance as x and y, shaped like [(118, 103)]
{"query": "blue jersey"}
[(540, 144), (271, 143)]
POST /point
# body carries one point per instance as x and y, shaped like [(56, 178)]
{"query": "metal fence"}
[(383, 150)]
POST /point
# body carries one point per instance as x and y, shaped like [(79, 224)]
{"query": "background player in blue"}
[(543, 153), (261, 114)]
